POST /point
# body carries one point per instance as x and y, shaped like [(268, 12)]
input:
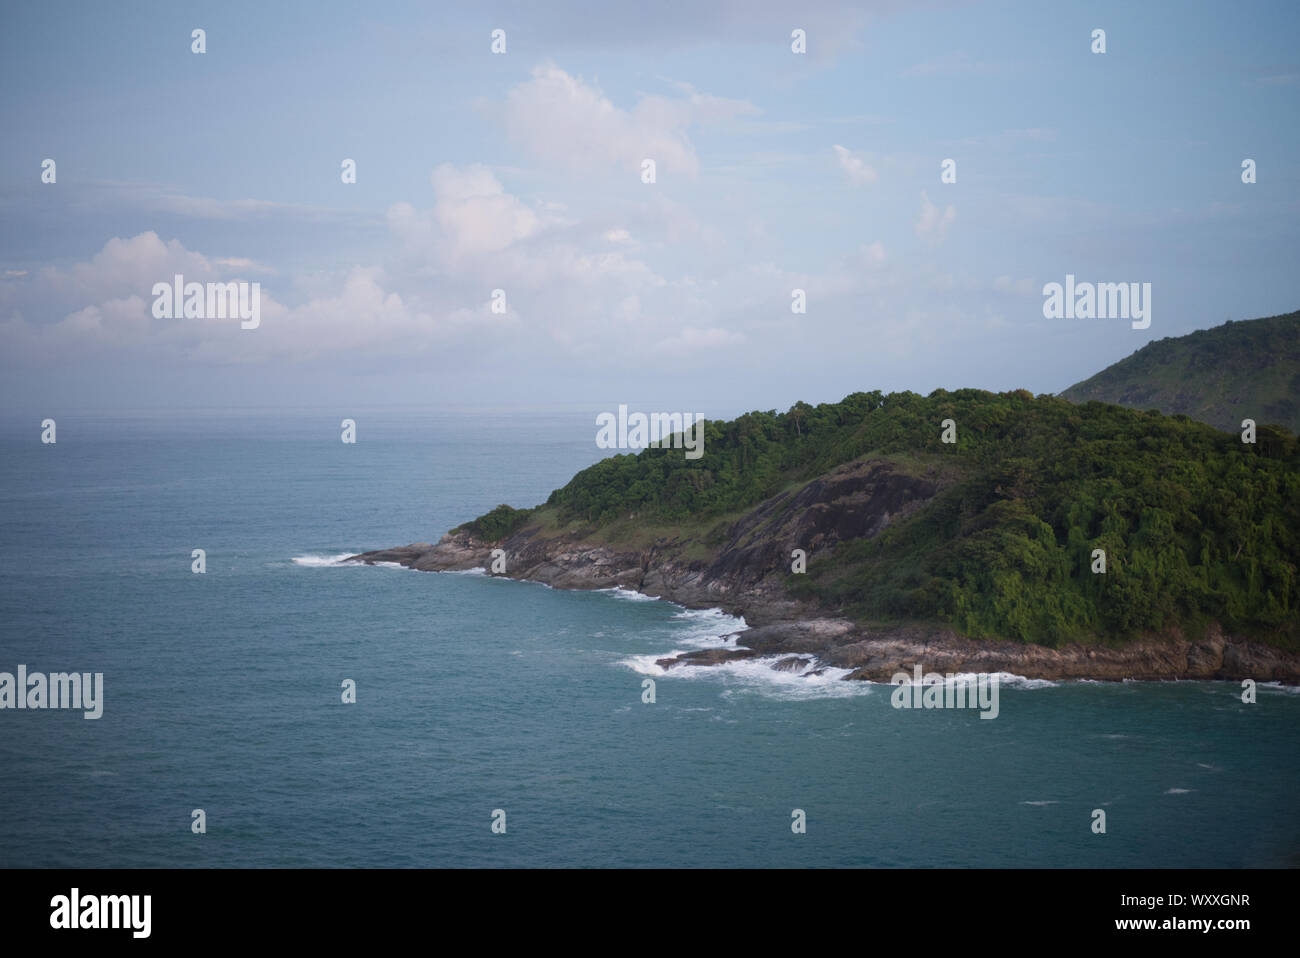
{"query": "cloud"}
[(123, 268), (569, 285), (577, 288), (873, 256), (570, 124), (859, 173), (113, 310), (476, 214), (242, 264), (932, 226), (692, 340), (362, 318)]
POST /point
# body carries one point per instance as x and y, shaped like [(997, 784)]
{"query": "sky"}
[(522, 171)]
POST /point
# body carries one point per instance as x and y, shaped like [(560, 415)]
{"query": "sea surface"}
[(222, 691)]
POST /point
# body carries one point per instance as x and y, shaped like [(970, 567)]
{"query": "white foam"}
[(322, 562), (1179, 791), (756, 676), (1011, 680), (1004, 679), (1040, 804), (647, 664), (707, 615), (630, 595), (707, 628), (1279, 687)]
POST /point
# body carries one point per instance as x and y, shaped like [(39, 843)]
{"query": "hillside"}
[(1241, 370), (987, 539)]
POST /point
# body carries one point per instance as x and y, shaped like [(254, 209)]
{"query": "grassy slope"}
[(1220, 376)]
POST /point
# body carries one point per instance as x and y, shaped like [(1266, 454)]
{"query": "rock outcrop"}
[(745, 576)]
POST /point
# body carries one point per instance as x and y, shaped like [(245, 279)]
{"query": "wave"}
[(756, 676), (1008, 680), (1178, 791), (1011, 680), (707, 628), (323, 562), (1279, 687), (630, 595), (1005, 680)]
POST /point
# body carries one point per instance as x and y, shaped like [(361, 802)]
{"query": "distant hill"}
[(1241, 370)]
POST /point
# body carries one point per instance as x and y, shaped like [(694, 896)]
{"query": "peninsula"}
[(968, 530)]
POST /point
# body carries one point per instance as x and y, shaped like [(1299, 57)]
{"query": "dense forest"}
[(1197, 526)]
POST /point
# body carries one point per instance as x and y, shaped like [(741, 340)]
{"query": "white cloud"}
[(874, 255), (472, 216), (571, 124), (933, 225), (113, 298), (126, 266), (859, 173), (123, 268), (693, 340), (241, 264), (577, 289), (476, 214)]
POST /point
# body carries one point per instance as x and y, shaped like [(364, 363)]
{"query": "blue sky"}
[(521, 172)]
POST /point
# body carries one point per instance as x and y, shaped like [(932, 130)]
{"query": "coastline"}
[(783, 627)]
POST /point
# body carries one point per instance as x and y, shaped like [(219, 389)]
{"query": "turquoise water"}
[(222, 691)]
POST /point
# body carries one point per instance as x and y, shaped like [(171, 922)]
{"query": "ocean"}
[(478, 695)]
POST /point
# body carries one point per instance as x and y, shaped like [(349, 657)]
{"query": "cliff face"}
[(745, 572)]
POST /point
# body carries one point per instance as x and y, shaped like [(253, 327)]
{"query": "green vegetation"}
[(497, 524), (745, 461), (1242, 370), (1196, 526)]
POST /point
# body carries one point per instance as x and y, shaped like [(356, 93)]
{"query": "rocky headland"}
[(745, 578)]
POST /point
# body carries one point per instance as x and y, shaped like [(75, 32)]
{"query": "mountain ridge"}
[(1246, 369)]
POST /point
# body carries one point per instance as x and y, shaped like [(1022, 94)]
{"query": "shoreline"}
[(781, 627)]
